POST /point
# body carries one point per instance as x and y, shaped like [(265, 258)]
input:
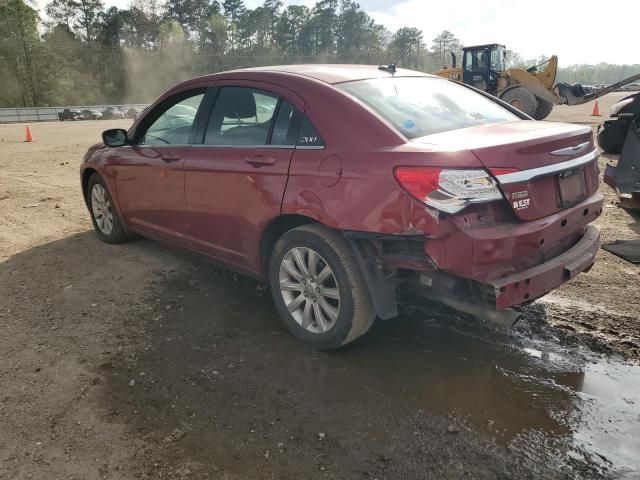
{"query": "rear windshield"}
[(419, 106)]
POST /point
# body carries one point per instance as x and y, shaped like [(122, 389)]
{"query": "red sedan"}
[(340, 184)]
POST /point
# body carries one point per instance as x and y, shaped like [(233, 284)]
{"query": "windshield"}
[(419, 106)]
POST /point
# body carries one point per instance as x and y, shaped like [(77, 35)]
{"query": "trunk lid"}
[(541, 167)]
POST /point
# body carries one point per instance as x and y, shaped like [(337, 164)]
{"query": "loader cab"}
[(482, 66)]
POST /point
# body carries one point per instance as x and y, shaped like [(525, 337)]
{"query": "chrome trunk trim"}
[(528, 175)]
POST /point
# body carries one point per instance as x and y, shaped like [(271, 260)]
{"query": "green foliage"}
[(86, 20), (85, 54), (443, 44), (406, 46), (18, 53)]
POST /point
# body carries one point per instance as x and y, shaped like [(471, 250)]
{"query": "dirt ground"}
[(138, 361)]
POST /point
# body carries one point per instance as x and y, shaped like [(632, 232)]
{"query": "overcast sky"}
[(578, 32)]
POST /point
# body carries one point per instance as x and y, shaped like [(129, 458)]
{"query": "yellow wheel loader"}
[(532, 91)]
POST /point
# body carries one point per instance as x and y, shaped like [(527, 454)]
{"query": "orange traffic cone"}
[(29, 137), (596, 110)]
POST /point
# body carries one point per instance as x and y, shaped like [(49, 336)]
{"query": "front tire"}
[(318, 289), (522, 99), (104, 215), (544, 109)]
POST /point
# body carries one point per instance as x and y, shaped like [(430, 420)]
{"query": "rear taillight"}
[(448, 190)]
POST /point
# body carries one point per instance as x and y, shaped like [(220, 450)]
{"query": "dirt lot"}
[(137, 361)]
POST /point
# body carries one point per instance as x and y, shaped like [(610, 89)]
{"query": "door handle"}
[(170, 157), (260, 161)]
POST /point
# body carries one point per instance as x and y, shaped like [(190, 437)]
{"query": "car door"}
[(235, 181), (149, 174)]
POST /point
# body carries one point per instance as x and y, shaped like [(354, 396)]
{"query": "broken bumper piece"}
[(535, 282)]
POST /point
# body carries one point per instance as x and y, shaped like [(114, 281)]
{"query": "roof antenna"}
[(391, 68)]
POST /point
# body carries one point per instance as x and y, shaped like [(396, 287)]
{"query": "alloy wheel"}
[(309, 289), (101, 208)]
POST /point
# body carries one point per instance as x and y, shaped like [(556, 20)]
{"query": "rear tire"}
[(296, 256), (522, 99), (544, 109), (612, 134)]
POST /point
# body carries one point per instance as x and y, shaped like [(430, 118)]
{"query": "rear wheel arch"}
[(382, 290), (277, 227), (353, 315)]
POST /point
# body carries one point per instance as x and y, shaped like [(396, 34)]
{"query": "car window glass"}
[(173, 127), (282, 128), (419, 106), (497, 59), (309, 136), (468, 61), (241, 116)]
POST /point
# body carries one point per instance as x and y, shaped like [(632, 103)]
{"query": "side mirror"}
[(453, 60), (115, 137)]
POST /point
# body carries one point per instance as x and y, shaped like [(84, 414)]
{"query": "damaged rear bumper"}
[(535, 282), (494, 268)]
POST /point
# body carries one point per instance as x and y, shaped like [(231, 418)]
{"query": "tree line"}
[(84, 53)]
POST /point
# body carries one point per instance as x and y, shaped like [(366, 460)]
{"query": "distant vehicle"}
[(589, 89), (111, 113), (340, 184), (91, 114), (632, 87), (533, 91), (69, 114), (133, 112)]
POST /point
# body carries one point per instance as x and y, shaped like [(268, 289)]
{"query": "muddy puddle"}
[(424, 388), (526, 393)]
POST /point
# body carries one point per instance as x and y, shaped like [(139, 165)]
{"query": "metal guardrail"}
[(48, 114)]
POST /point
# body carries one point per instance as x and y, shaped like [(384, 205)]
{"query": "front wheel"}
[(104, 215), (522, 99), (318, 289), (544, 109)]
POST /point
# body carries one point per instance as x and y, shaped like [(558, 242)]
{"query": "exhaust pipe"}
[(504, 319)]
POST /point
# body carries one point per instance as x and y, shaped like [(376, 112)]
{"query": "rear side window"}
[(241, 116), (419, 106), (309, 136), (285, 128)]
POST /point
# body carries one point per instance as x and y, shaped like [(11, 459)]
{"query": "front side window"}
[(478, 59), (173, 126), (241, 116), (419, 106)]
